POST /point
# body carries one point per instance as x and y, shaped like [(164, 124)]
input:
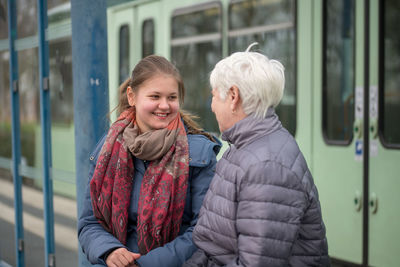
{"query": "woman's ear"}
[(235, 98), (131, 96)]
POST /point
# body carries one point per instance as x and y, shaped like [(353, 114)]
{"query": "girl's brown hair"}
[(147, 68)]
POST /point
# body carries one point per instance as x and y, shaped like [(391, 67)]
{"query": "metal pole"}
[(16, 145), (90, 72), (45, 117)]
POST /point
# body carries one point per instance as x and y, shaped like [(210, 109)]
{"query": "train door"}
[(384, 133), (354, 166), (337, 145)]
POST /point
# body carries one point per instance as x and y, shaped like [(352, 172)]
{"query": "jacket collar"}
[(250, 128)]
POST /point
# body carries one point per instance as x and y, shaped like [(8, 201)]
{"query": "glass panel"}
[(195, 61), (58, 10), (26, 18), (260, 12), (3, 20), (5, 107), (124, 71), (391, 74), (195, 57), (58, 3), (193, 23), (62, 112), (148, 37), (271, 24), (29, 105), (338, 89), (62, 107)]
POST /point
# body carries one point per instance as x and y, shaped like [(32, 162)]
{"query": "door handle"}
[(357, 201), (358, 127), (373, 203), (373, 128)]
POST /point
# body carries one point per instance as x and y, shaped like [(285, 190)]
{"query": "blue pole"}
[(90, 72), (16, 145), (46, 134)]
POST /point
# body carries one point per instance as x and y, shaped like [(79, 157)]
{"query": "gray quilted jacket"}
[(262, 207)]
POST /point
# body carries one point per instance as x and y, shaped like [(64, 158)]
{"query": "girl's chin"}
[(159, 125)]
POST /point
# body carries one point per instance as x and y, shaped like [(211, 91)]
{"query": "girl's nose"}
[(163, 103)]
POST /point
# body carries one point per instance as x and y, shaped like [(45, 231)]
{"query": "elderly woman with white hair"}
[(262, 207)]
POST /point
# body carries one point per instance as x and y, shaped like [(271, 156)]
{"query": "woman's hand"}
[(121, 257)]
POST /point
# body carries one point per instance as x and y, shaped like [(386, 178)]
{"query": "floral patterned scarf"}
[(164, 185)]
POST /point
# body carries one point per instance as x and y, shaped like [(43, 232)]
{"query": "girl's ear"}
[(131, 96)]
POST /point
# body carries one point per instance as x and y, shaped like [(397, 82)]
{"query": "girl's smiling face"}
[(156, 102)]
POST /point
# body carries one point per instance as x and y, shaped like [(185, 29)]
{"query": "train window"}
[(272, 25), (389, 72), (148, 37), (338, 71), (196, 21), (123, 53), (196, 47)]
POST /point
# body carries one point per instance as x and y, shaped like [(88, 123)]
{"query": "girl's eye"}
[(154, 96), (173, 97)]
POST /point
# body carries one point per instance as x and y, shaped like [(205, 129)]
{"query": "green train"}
[(342, 61), (322, 45)]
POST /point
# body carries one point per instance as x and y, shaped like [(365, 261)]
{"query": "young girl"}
[(149, 175)]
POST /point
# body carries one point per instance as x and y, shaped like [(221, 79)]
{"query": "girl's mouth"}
[(161, 115)]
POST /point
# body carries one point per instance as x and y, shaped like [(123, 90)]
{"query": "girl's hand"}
[(121, 257)]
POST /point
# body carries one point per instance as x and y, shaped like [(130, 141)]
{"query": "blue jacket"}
[(96, 242)]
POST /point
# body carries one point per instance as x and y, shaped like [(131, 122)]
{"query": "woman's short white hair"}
[(260, 80)]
